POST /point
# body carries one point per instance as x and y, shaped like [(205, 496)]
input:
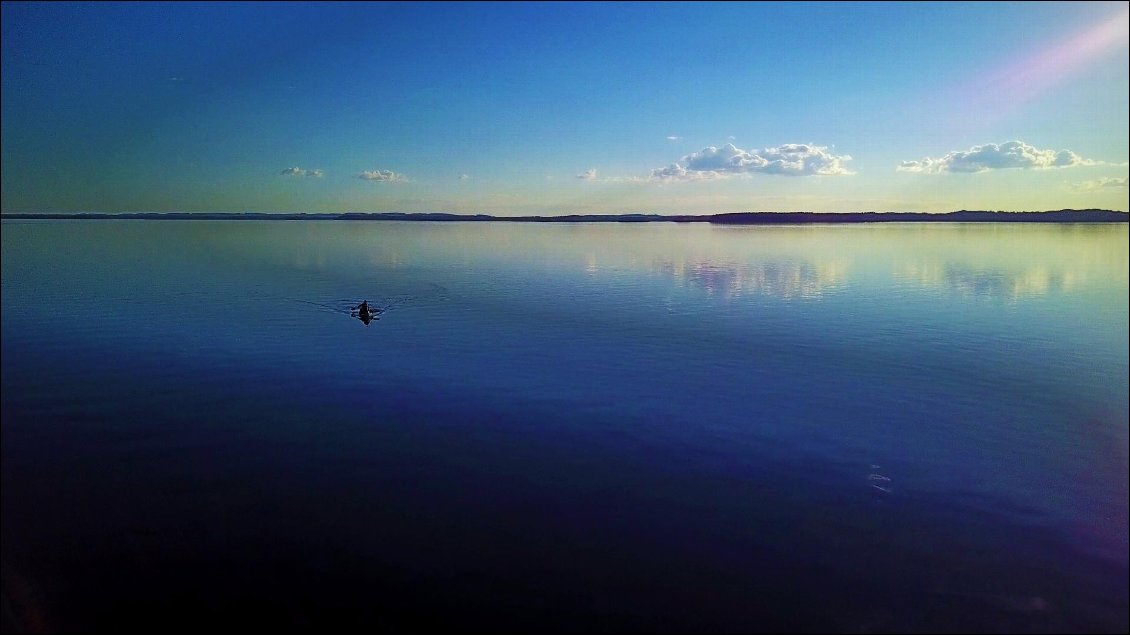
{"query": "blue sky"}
[(564, 108)]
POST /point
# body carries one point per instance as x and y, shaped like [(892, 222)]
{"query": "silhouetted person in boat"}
[(364, 312)]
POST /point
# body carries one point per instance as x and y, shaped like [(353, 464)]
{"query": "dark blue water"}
[(569, 427)]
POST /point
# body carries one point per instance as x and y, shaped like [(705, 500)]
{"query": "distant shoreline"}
[(740, 218)]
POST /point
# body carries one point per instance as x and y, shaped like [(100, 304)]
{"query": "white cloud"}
[(382, 176), (464, 177), (588, 175), (673, 137), (1012, 155), (1105, 183), (296, 171), (792, 159), (676, 172)]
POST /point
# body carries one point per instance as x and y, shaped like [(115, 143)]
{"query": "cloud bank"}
[(382, 176), (300, 172), (1013, 155), (792, 159), (588, 175), (1105, 183)]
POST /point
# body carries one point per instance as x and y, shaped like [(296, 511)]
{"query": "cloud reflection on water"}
[(803, 262), (999, 283), (778, 278), (1025, 263)]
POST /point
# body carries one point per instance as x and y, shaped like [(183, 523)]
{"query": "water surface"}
[(862, 428)]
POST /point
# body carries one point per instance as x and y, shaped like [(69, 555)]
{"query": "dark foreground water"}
[(569, 427)]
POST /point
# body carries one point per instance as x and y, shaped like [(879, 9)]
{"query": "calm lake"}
[(855, 428)]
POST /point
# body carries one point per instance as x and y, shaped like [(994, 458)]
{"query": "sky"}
[(547, 108)]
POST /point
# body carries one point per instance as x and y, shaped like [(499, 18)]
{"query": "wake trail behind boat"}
[(346, 306), (335, 309)]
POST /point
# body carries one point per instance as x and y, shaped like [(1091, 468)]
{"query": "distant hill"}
[(740, 218), (962, 216)]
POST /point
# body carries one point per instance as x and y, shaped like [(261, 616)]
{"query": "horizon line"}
[(1060, 216)]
